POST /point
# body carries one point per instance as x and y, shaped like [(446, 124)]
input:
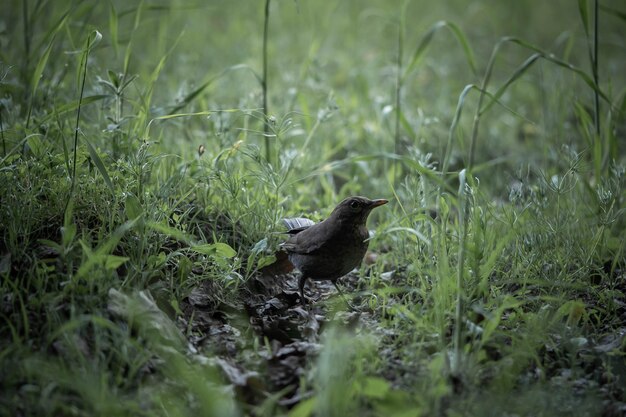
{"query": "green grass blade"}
[(584, 15), (99, 165), (114, 28), (614, 12), (422, 46), (455, 121), (195, 93), (129, 46), (427, 38), (516, 74), (152, 81), (170, 231), (467, 49), (100, 254), (41, 65), (407, 126), (552, 58), (174, 116), (71, 106), (36, 77)]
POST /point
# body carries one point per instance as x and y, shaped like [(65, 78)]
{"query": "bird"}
[(330, 249)]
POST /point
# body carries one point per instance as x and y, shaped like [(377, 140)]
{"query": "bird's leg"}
[(343, 296), (301, 287)]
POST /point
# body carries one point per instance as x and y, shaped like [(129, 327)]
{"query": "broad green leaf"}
[(157, 261), (494, 321), (67, 216), (304, 408), (219, 249), (184, 267), (93, 257), (265, 261), (36, 146), (376, 387), (443, 207), (169, 231), (133, 207), (260, 246), (412, 232), (68, 232), (114, 261), (51, 244), (574, 310)]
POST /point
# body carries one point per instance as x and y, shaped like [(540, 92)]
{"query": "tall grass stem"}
[(26, 37), (266, 127), (398, 92), (80, 100), (594, 63), (458, 334), (479, 105), (4, 143)]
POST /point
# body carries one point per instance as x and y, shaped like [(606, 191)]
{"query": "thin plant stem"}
[(479, 105), (26, 36), (266, 127), (80, 100), (458, 334), (398, 94), (4, 144), (594, 65)]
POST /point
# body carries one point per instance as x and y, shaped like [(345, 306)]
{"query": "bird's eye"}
[(355, 204)]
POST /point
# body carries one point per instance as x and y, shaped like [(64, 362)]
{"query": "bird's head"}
[(356, 209)]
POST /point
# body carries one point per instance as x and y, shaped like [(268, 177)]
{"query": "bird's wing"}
[(297, 224), (310, 240)]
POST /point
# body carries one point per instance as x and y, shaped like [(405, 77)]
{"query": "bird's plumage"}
[(297, 224), (330, 249)]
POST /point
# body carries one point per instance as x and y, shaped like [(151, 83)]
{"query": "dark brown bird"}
[(334, 247)]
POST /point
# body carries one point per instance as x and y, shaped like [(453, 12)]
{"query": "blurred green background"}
[(138, 170)]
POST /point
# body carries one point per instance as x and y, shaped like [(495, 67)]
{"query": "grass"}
[(142, 183)]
